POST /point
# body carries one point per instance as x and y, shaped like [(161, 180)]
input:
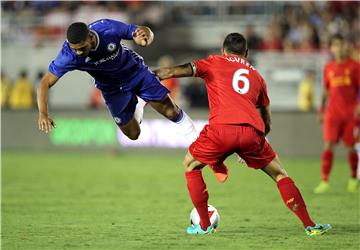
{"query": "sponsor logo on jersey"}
[(111, 57), (289, 201)]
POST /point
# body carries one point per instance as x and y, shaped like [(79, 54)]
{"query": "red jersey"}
[(234, 88), (343, 83)]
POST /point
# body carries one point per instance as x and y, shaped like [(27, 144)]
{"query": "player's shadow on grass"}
[(340, 229), (265, 231)]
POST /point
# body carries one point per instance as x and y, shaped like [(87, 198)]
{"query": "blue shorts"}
[(122, 101)]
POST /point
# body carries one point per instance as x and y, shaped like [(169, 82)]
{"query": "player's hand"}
[(143, 36), (321, 117), (46, 124), (267, 129)]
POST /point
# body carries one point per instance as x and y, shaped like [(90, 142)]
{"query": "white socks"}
[(139, 110), (187, 128)]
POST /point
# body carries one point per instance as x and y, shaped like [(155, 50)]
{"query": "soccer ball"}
[(214, 216)]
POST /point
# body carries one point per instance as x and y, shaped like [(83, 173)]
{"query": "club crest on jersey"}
[(117, 119), (111, 47)]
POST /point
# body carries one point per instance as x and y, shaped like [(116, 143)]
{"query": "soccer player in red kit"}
[(338, 111), (235, 92)]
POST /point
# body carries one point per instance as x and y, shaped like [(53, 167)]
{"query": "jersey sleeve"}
[(201, 67), (124, 30), (63, 63), (263, 99)]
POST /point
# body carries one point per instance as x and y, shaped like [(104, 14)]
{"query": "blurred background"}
[(86, 186), (288, 44)]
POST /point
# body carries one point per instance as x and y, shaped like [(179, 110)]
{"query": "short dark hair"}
[(336, 37), (77, 32), (235, 43)]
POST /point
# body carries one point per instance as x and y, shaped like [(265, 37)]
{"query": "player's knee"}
[(133, 135), (329, 146), (186, 165)]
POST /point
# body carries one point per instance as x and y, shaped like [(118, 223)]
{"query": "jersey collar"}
[(97, 40)]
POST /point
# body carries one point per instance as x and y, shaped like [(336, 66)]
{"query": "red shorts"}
[(335, 129), (216, 142)]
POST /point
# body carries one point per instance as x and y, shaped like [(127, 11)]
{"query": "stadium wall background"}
[(293, 133), (283, 73)]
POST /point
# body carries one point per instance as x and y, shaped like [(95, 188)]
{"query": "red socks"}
[(289, 193), (199, 196), (326, 164), (353, 161), (294, 201), (327, 161)]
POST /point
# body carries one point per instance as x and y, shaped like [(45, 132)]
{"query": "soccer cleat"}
[(353, 185), (198, 230), (221, 172), (318, 229), (322, 187)]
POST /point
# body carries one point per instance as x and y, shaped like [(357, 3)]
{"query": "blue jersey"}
[(119, 72), (110, 63)]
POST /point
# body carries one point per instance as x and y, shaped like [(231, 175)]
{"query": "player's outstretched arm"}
[(143, 36), (184, 70), (45, 122), (266, 116)]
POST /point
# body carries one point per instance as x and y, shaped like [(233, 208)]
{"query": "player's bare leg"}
[(198, 194), (275, 171), (171, 111), (326, 166), (190, 163), (131, 129), (292, 197), (353, 182)]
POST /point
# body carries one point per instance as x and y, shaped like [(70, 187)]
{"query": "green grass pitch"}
[(139, 200)]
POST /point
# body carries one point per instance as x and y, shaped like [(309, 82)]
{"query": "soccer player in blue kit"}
[(125, 81)]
